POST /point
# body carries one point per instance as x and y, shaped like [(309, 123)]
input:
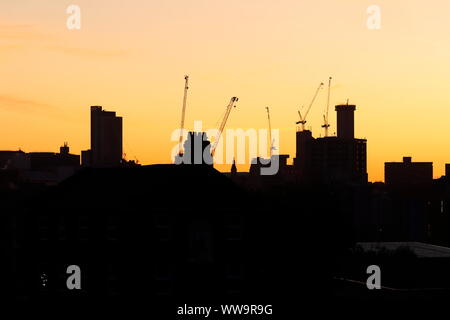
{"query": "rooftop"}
[(421, 250)]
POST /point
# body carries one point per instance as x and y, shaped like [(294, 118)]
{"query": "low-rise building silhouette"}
[(43, 168), (408, 173)]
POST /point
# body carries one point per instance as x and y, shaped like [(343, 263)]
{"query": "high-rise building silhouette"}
[(345, 121), (106, 139), (340, 158)]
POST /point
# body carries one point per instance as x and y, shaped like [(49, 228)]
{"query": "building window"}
[(43, 228), (83, 228), (112, 281), (163, 230), (112, 228), (234, 271), (163, 277), (200, 242), (233, 227), (61, 229)]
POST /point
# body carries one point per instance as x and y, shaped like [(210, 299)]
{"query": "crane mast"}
[(183, 113), (270, 132), (326, 125), (230, 106), (300, 116), (303, 119)]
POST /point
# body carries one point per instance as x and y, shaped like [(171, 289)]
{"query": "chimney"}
[(407, 159)]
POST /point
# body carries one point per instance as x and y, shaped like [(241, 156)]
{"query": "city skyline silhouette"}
[(395, 75), (327, 121)]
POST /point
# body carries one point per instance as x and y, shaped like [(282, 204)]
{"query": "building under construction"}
[(334, 159), (197, 150)]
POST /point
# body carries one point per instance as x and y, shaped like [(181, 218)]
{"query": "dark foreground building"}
[(138, 234), (164, 235)]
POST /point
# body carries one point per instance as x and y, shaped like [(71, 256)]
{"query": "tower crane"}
[(303, 119), (326, 124), (270, 133), (183, 113), (230, 106), (300, 116)]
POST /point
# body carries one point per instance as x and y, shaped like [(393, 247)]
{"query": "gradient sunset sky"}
[(131, 57)]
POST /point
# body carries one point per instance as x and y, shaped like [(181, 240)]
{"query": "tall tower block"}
[(106, 137), (346, 121)]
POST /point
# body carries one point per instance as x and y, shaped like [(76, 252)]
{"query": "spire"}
[(233, 168)]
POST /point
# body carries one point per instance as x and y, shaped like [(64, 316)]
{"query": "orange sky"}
[(131, 56)]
